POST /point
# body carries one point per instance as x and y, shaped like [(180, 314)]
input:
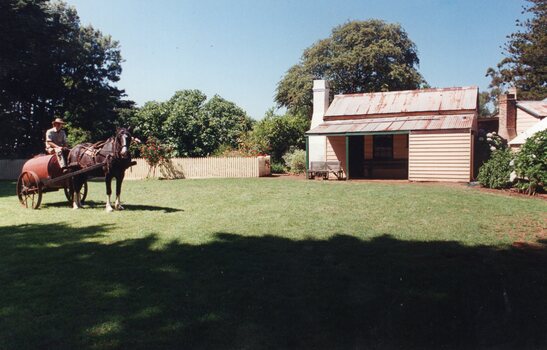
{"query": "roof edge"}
[(455, 88), (529, 111)]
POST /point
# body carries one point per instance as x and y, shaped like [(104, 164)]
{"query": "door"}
[(356, 157)]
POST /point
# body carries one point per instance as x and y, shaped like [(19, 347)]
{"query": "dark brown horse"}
[(113, 153)]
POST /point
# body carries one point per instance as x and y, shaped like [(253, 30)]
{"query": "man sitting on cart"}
[(56, 142)]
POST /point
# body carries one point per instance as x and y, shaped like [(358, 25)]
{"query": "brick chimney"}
[(318, 144), (508, 115)]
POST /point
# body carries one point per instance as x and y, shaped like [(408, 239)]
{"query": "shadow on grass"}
[(63, 288), (100, 204), (8, 188)]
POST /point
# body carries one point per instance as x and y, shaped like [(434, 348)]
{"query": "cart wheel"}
[(29, 190), (83, 193)]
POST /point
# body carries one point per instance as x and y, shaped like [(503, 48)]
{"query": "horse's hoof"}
[(109, 209), (119, 207)]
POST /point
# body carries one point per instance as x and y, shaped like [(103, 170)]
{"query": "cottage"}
[(419, 135)]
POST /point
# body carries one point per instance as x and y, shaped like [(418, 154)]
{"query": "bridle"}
[(124, 141)]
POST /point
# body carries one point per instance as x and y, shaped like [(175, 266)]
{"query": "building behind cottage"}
[(518, 120)]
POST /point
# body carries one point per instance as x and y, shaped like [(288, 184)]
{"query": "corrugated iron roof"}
[(536, 108), (430, 122), (409, 101)]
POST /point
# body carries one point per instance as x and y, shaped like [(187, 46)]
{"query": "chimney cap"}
[(512, 91), (320, 84)]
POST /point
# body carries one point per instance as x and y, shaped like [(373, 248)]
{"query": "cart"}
[(43, 174)]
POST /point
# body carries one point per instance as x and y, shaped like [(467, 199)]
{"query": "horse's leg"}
[(76, 200), (108, 182), (119, 180)]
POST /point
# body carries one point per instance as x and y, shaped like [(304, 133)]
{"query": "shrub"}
[(531, 163), (277, 168), (155, 154), (296, 161), (495, 173), (77, 135), (277, 134)]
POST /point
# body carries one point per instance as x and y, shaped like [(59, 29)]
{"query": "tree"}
[(359, 56), (525, 64), (191, 125), (277, 134), (50, 66)]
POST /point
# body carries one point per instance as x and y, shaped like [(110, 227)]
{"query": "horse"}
[(115, 155)]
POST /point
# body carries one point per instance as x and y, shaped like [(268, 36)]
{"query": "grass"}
[(275, 264)]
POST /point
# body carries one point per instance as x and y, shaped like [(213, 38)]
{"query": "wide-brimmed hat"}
[(58, 120)]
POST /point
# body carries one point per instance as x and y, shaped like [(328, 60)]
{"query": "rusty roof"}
[(431, 101), (374, 125), (536, 108)]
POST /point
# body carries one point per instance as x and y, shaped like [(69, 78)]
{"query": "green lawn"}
[(275, 264)]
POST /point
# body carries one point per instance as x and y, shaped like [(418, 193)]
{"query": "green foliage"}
[(531, 163), (485, 102), (76, 135), (52, 65), (296, 161), (277, 168), (359, 56), (495, 173), (276, 134), (191, 125), (524, 65)]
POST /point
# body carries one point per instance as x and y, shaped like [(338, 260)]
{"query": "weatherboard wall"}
[(440, 156), (525, 121), (336, 150)]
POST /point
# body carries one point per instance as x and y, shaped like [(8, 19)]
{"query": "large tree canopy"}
[(359, 56), (51, 65), (525, 64), (191, 125)]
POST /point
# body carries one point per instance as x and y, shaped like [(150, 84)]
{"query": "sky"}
[(240, 49)]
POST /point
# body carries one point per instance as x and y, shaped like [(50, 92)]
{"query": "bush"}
[(495, 173), (277, 134), (277, 168), (155, 154), (296, 161), (531, 163), (76, 136)]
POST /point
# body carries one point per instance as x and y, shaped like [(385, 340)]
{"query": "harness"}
[(95, 149), (92, 150)]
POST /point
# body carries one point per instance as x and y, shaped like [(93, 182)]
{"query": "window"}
[(383, 147)]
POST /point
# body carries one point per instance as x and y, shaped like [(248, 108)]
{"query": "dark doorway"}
[(356, 157)]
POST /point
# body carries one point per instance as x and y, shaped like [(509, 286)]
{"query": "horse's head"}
[(123, 140)]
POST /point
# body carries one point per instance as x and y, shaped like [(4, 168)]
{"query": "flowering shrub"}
[(531, 164), (491, 141), (496, 172), (155, 154)]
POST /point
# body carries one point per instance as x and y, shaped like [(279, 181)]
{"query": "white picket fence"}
[(188, 168)]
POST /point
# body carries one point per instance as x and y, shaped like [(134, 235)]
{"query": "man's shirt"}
[(57, 137)]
